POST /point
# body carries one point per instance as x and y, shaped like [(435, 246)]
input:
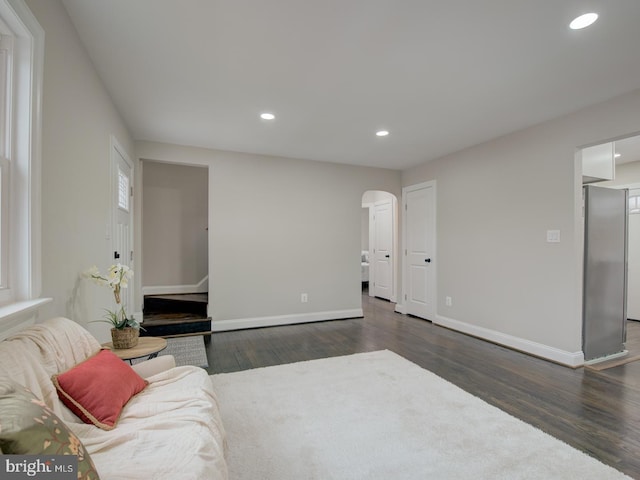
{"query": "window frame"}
[(6, 62), (5, 292), (20, 224), (124, 196)]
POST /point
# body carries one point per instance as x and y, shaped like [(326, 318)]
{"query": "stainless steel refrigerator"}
[(605, 271)]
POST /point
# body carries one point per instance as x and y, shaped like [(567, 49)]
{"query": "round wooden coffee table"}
[(147, 347)]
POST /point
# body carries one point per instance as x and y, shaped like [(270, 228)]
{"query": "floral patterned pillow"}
[(29, 427)]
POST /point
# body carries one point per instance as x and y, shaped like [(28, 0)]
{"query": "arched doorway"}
[(379, 244)]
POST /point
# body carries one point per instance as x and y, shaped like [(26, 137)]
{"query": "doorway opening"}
[(615, 165), (175, 246), (379, 244)]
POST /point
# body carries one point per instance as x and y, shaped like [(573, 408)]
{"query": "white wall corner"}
[(243, 323), (569, 359)]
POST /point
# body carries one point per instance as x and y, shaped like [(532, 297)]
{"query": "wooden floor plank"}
[(597, 412)]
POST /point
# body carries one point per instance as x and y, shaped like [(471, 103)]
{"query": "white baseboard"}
[(200, 287), (242, 323), (570, 359)]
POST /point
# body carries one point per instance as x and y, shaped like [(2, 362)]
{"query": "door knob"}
[(428, 260), (386, 256), (116, 255)]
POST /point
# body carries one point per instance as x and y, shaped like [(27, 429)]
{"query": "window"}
[(21, 63), (123, 190), (634, 205)]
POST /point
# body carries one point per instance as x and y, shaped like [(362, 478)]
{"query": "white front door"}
[(122, 216), (383, 249), (419, 239)]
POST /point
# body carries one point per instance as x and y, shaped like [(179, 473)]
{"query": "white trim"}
[(201, 287), (394, 246), (243, 323), (5, 277), (401, 308), (25, 248), (578, 247), (372, 243), (21, 308), (570, 359)]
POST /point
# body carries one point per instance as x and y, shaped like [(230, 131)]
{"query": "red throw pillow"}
[(97, 389)]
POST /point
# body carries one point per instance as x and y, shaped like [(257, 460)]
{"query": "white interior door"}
[(122, 216), (419, 283), (383, 249)]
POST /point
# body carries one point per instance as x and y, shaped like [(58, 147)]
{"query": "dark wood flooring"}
[(596, 412)]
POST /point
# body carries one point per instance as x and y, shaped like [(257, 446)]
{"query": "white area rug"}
[(187, 351), (378, 416)]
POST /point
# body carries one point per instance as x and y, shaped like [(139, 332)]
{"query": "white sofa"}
[(170, 430)]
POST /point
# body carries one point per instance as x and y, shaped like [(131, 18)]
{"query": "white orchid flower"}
[(117, 277), (94, 275)]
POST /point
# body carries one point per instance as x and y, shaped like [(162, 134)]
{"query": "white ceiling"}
[(440, 75)]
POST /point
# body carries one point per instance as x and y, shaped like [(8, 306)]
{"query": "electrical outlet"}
[(448, 302), (553, 236), (304, 298)]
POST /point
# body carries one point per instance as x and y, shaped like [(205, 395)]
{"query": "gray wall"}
[(495, 202), (78, 120), (278, 228), (174, 224), (364, 228)]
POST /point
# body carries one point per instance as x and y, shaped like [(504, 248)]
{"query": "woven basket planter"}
[(124, 337)]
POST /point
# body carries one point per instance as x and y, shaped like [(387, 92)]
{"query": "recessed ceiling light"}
[(617, 155), (583, 21), (382, 133), (267, 116)]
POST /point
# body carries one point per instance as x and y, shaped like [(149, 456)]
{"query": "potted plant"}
[(126, 329)]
